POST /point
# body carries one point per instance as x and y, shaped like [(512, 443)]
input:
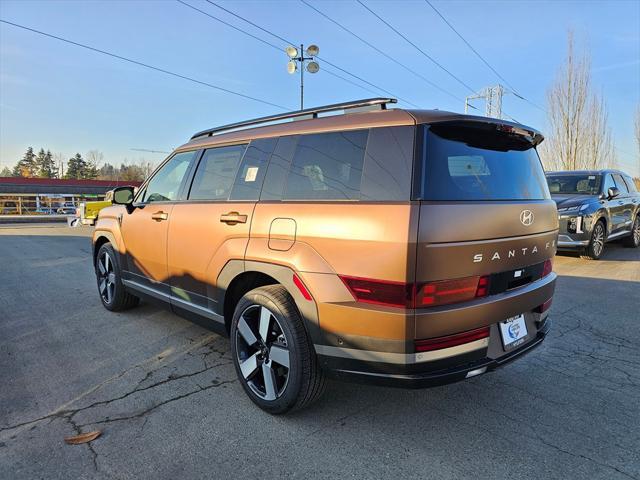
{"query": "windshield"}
[(574, 184), (465, 165)]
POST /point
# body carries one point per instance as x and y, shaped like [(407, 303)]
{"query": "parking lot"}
[(164, 393)]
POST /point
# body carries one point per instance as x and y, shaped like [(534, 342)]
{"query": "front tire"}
[(112, 291), (596, 242), (633, 240), (272, 353)]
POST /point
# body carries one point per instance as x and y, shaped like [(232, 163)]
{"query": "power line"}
[(151, 67), (350, 32), (425, 54), (513, 90), (231, 26), (289, 42)]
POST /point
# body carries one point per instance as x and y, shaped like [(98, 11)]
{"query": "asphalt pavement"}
[(164, 393)]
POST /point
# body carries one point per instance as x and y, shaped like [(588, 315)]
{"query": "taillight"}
[(398, 294), (545, 306), (547, 268), (444, 292), (380, 292), (451, 340)]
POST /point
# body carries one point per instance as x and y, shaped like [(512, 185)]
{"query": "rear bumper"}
[(447, 370)]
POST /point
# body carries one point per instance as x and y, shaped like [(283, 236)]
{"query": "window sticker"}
[(252, 174), (467, 165)]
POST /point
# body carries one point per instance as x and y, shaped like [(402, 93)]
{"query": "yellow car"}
[(87, 212)]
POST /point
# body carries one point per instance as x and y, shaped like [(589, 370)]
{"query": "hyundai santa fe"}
[(399, 247)]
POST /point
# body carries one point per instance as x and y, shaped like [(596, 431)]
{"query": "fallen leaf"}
[(82, 438)]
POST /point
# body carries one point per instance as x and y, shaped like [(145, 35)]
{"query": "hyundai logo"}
[(526, 217)]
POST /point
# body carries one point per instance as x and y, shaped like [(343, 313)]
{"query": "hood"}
[(568, 201)]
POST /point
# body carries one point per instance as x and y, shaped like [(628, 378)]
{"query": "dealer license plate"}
[(513, 331)]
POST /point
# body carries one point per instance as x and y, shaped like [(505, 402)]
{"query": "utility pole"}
[(493, 100), (299, 57)]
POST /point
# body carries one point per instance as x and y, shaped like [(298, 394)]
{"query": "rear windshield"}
[(470, 164), (574, 184)]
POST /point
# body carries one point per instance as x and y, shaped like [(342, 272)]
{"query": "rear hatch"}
[(487, 221)]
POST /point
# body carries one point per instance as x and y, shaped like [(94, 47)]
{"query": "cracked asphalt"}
[(164, 392)]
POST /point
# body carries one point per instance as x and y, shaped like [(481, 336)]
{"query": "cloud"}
[(616, 66)]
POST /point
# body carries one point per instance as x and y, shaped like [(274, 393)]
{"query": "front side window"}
[(472, 164), (620, 183), (608, 183), (630, 185), (216, 173), (327, 166), (165, 184), (578, 184)]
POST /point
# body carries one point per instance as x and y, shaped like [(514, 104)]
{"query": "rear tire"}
[(112, 291), (596, 244), (272, 353), (633, 240)]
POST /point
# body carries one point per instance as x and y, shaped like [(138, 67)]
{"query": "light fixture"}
[(313, 50), (292, 66), (292, 52), (313, 67)]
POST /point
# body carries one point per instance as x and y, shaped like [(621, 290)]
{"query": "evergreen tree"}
[(76, 167), (46, 165), (27, 166), (90, 171), (6, 172), (39, 162)]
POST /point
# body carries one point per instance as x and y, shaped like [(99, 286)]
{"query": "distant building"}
[(19, 195)]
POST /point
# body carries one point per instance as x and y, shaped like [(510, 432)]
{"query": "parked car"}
[(87, 212), (399, 247), (595, 207), (67, 208)]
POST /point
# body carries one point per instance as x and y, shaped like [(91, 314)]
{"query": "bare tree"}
[(579, 135)]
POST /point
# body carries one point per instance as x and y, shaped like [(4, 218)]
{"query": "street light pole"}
[(298, 57)]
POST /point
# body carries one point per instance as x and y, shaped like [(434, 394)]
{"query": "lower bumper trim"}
[(434, 378)]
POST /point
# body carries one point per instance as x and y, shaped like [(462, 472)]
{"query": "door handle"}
[(159, 216), (232, 218)]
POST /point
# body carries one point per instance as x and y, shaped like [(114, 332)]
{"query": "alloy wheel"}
[(262, 352), (106, 277), (636, 231), (598, 239)]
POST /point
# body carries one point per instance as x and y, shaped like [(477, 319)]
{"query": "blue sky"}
[(68, 99)]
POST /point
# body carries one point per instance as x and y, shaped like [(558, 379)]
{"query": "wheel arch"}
[(239, 277)]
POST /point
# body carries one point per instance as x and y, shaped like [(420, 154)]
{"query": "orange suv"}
[(399, 247)]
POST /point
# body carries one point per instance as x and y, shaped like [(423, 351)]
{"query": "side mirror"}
[(613, 192), (123, 196)]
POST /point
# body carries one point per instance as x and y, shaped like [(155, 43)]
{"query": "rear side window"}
[(388, 163), (620, 183), (630, 185), (252, 170), (327, 166), (463, 164), (216, 173)]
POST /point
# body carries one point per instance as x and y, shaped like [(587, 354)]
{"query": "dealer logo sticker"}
[(514, 330)]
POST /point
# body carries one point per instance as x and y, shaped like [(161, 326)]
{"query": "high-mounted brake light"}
[(451, 340)]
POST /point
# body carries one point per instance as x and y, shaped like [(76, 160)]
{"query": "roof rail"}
[(368, 103)]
